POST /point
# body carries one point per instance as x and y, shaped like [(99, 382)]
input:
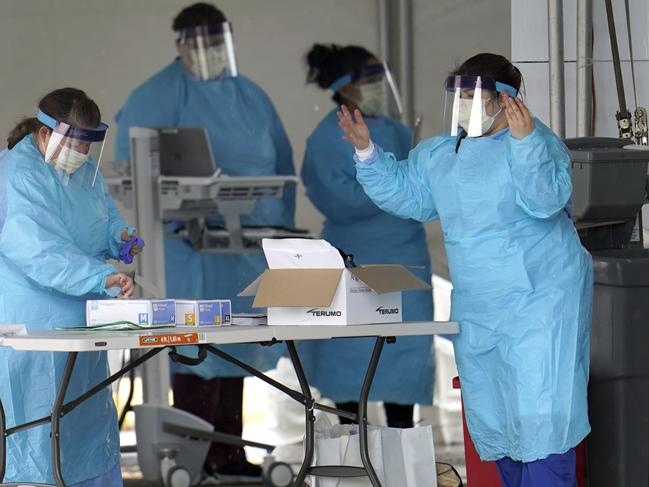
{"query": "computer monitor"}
[(185, 152)]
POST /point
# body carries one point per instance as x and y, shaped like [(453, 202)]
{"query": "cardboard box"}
[(330, 294), (140, 311), (215, 312)]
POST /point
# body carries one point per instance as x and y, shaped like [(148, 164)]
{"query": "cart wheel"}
[(279, 474), (178, 477)]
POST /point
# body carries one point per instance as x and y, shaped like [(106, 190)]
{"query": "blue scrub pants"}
[(554, 471)]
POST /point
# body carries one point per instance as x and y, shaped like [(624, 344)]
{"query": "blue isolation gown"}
[(522, 282), (357, 226), (54, 242), (247, 139)]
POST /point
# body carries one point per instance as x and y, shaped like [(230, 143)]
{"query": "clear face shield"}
[(207, 51), (375, 89), (74, 152), (471, 104)]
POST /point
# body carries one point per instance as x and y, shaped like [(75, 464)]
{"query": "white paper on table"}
[(301, 253), (12, 331), (249, 319)]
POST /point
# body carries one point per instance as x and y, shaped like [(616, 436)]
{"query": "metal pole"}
[(623, 116), (556, 61), (145, 168), (405, 60), (584, 68), (384, 28)]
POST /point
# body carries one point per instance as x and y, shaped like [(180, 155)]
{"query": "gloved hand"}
[(122, 281), (132, 246)]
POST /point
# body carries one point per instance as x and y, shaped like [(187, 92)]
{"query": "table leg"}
[(57, 411), (362, 410), (255, 373), (62, 409), (3, 442), (309, 444)]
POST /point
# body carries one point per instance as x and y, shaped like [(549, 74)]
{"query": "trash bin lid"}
[(593, 150), (622, 267)]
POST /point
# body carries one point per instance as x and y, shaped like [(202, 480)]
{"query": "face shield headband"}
[(373, 71), (459, 83), (69, 147), (211, 47)]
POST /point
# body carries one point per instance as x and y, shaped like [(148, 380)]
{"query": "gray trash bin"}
[(618, 447)]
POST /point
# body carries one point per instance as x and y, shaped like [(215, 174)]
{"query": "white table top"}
[(86, 341)]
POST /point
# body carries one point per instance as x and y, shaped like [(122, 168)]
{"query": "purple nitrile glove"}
[(125, 250)]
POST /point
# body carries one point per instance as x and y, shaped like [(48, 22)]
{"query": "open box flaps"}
[(317, 287), (294, 287), (307, 283), (388, 278)]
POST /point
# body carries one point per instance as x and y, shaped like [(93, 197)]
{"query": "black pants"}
[(219, 402), (398, 416)]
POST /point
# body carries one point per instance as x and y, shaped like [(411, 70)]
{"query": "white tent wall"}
[(447, 32), (529, 47), (108, 48)]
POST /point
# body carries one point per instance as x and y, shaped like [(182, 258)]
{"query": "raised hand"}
[(354, 128), (518, 116)]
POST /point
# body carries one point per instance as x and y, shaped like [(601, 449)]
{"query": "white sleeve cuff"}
[(365, 154)]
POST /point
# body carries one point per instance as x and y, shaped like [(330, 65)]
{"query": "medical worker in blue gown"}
[(354, 224), (58, 226), (203, 88), (522, 282)]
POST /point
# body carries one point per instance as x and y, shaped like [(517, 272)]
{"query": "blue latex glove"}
[(125, 250), (113, 292)]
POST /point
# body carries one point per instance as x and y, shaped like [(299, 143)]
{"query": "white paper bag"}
[(400, 457), (418, 453), (342, 447)]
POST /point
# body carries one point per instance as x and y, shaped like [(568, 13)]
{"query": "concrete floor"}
[(133, 476), (453, 454)]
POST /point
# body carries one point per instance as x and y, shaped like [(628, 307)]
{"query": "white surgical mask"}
[(210, 62), (374, 100), (69, 160), (464, 115)]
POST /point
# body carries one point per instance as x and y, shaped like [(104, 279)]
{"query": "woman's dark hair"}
[(493, 66), (329, 62), (68, 105), (198, 14)]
